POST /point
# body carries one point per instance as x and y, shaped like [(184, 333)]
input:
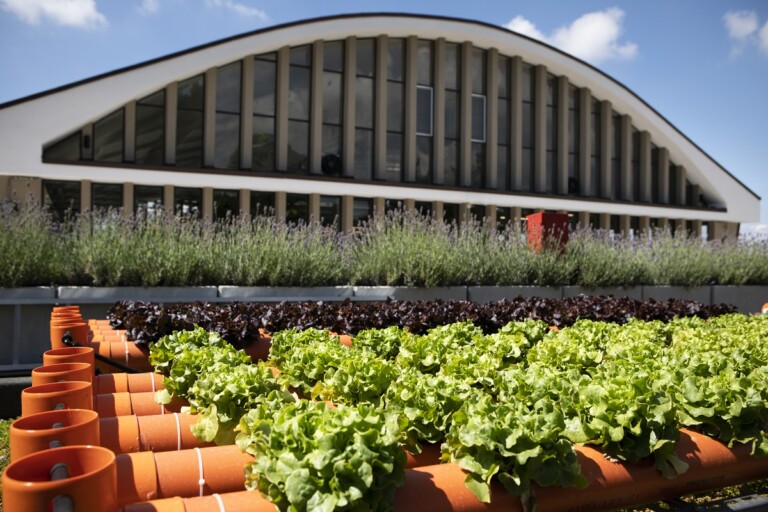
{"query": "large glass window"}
[(296, 208), (424, 111), (187, 202), (616, 177), (478, 121), (574, 136), (299, 109), (364, 108), (635, 168), (147, 200), (527, 184), (150, 130), (655, 175), (106, 195), (330, 211), (262, 203), (108, 138), (189, 122), (226, 204), (395, 95), (264, 84), (452, 65), (61, 198), (450, 213), (362, 210), (65, 150), (228, 98), (503, 217), (504, 115), (551, 113), (333, 80), (594, 182)]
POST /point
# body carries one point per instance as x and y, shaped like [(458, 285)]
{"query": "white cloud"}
[(72, 13), (593, 37), (740, 24), (241, 9), (149, 6), (762, 38)]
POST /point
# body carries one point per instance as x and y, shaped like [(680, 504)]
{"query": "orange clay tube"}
[(130, 382), (68, 355), (259, 349), (612, 485), (140, 404), (429, 456), (157, 433), (66, 372), (125, 352), (58, 395), (83, 475), (53, 429), (77, 328), (241, 501), (197, 472)]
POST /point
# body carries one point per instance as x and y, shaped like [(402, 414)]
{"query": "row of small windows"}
[(540, 130)]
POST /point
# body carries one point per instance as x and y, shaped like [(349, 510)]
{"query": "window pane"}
[(61, 198), (450, 213), (296, 208), (451, 115), (424, 110), (330, 210), (503, 217), (189, 138), (363, 209), (298, 93), (424, 63), (478, 165), (67, 149), (573, 131), (364, 103), (452, 66), (527, 181), (551, 90), (332, 98), (187, 202), (263, 144), (191, 93), (363, 154), (301, 56), (264, 87), (228, 88), (226, 203), (333, 56), (106, 195), (366, 58), (394, 157), (262, 203), (331, 159), (394, 106), (502, 168), (527, 82), (503, 121), (478, 71), (227, 155), (551, 173), (150, 135), (451, 173), (527, 125), (595, 177), (108, 138), (147, 200), (551, 129), (477, 211), (423, 159), (395, 53), (157, 99), (503, 77), (298, 146), (478, 118), (423, 207)]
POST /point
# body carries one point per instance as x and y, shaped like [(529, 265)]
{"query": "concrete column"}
[(316, 110), (516, 122), (664, 176), (128, 199), (680, 227), (281, 112), (409, 101), (697, 225), (562, 136), (314, 207), (645, 224), (492, 119), (605, 221), (682, 189), (628, 191), (380, 109), (379, 206), (438, 129), (585, 141), (350, 89), (516, 214), (646, 175), (86, 199), (463, 212), (583, 219), (490, 213), (171, 105), (540, 129), (347, 213), (246, 117), (209, 119), (280, 205), (86, 148), (169, 201), (664, 224), (245, 202), (437, 209), (409, 204), (624, 224), (465, 130), (5, 188), (606, 149), (207, 203), (716, 230), (129, 132), (732, 230)]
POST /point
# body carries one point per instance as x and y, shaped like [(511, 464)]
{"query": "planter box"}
[(280, 293), (701, 294), (88, 294), (27, 295), (747, 299), (405, 293), (496, 293), (636, 292)]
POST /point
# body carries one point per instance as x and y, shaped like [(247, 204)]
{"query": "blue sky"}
[(703, 64)]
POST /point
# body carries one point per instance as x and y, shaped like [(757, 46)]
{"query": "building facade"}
[(338, 117)]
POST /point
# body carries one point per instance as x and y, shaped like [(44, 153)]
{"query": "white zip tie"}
[(125, 347), (178, 432), (220, 502), (152, 376), (201, 481)]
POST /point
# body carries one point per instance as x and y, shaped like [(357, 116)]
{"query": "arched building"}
[(342, 115)]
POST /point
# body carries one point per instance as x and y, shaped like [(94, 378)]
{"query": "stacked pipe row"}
[(80, 432)]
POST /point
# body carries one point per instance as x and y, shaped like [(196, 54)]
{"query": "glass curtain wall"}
[(477, 171), (263, 138), (552, 128), (393, 170), (574, 136), (594, 182), (228, 99), (299, 88), (333, 86), (189, 122), (616, 181), (528, 128), (502, 152), (452, 66), (150, 130), (108, 137), (105, 196), (364, 108), (424, 111)]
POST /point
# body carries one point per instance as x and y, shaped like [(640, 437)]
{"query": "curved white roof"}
[(29, 123)]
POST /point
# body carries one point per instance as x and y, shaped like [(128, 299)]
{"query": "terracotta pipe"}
[(429, 456), (67, 372), (87, 478), (53, 429), (61, 309), (259, 349), (174, 504), (157, 433), (197, 472), (140, 404), (47, 397), (69, 355), (241, 501), (77, 328), (125, 352), (130, 382)]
